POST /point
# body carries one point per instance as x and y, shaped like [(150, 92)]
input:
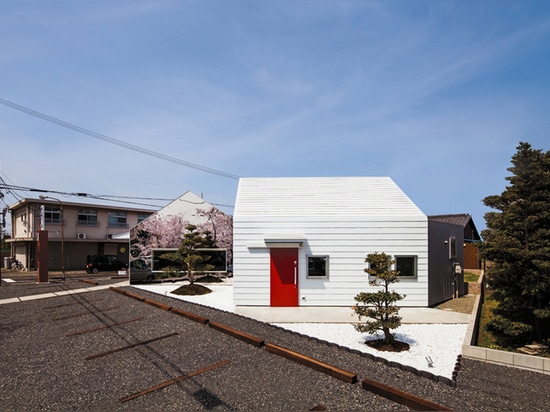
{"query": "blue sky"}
[(435, 94)]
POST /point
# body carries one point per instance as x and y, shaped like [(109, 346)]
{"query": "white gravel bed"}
[(433, 348)]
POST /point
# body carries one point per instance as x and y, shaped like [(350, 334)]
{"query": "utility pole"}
[(62, 234), (3, 225), (2, 229)]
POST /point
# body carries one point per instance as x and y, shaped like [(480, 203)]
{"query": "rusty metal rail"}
[(190, 316), (404, 398), (319, 366), (388, 392), (245, 337), (172, 381), (91, 282)]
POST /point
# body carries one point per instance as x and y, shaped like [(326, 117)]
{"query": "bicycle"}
[(16, 265)]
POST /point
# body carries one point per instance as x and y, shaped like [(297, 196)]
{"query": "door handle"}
[(295, 275)]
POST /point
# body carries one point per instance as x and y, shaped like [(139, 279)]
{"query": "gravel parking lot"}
[(55, 358)]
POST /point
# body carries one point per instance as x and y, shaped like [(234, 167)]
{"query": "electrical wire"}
[(115, 141), (9, 190), (112, 198)]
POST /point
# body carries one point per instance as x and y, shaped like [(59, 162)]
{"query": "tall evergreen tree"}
[(517, 243)]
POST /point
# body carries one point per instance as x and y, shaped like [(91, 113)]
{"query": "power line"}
[(115, 141), (112, 198), (12, 188), (155, 198), (8, 189)]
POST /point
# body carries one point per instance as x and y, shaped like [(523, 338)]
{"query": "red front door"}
[(284, 277)]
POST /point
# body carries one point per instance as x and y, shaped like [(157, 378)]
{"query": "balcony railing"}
[(118, 224), (89, 223), (53, 221)]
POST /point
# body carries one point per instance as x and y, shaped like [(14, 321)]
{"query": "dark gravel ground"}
[(43, 368), (463, 304)]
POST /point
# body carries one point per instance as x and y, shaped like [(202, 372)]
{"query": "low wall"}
[(513, 359), (472, 288)]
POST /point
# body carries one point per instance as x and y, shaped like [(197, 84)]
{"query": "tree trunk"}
[(388, 337)]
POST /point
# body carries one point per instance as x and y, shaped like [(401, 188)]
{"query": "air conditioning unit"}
[(81, 235)]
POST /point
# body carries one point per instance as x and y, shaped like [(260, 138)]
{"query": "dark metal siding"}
[(440, 267)]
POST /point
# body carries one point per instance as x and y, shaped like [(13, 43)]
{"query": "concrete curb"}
[(59, 293)]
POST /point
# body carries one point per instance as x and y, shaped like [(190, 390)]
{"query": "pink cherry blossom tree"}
[(156, 232), (220, 226)]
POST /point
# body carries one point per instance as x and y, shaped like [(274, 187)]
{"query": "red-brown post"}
[(42, 255)]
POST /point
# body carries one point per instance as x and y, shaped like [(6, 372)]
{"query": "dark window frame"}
[(87, 217), (414, 275), (52, 215), (118, 219), (321, 260)]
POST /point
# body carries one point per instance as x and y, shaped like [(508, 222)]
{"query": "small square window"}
[(317, 267), (406, 265)]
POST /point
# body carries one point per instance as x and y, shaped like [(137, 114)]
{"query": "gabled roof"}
[(323, 198), (464, 219), (186, 207)]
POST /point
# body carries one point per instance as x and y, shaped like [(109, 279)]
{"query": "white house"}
[(303, 241), (163, 231)]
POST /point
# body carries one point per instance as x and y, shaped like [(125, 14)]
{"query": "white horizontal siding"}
[(344, 218), (264, 199)]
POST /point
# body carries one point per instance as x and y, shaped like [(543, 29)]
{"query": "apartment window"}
[(142, 217), (406, 265), (317, 267), (87, 217), (117, 219), (52, 215)]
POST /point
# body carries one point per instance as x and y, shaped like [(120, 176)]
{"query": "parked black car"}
[(104, 263)]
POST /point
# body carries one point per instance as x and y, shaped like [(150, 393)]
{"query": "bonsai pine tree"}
[(517, 243), (379, 306), (188, 255)]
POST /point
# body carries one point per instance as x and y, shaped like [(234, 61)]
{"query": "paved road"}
[(10, 276)]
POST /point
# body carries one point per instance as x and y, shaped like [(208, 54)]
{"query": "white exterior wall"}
[(344, 218), (186, 207)]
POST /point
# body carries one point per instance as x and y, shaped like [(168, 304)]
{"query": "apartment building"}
[(75, 230)]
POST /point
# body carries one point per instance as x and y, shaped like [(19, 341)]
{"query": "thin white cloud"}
[(275, 88)]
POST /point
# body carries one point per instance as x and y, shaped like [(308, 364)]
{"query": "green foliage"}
[(506, 327), (188, 257), (380, 306), (486, 338), (471, 277), (517, 242)]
